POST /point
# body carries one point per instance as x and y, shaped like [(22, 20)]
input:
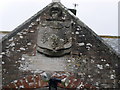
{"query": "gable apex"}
[(55, 0)]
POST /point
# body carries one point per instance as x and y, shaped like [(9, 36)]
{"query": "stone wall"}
[(99, 64), (24, 42), (91, 59)]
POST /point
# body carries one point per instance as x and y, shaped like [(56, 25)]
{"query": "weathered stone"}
[(55, 32)]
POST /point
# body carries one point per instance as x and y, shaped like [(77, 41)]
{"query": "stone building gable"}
[(55, 32)]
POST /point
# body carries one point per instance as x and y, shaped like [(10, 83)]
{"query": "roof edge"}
[(77, 20), (26, 23)]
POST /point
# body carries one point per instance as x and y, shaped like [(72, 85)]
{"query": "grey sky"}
[(100, 15)]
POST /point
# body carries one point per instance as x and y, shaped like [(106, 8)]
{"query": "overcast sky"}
[(100, 15)]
